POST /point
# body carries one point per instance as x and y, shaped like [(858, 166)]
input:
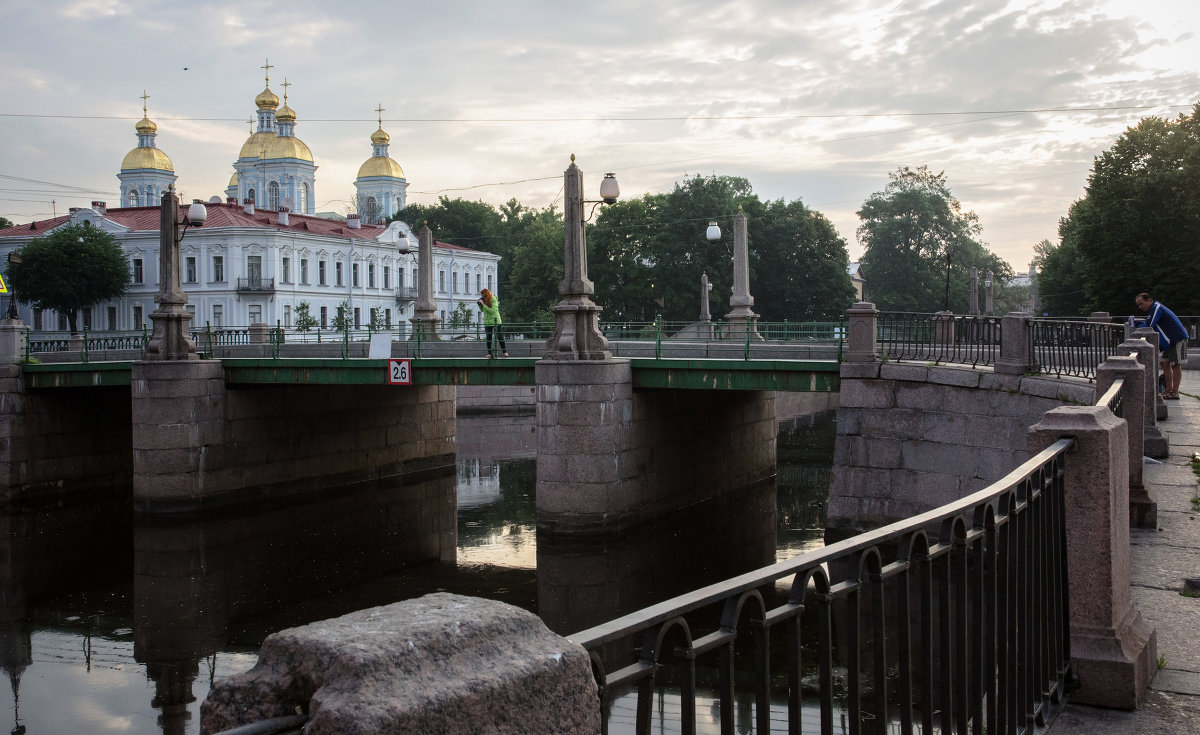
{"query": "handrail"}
[(1010, 535)]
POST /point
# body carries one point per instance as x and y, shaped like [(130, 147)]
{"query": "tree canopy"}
[(912, 231), (73, 267), (5, 222), (1137, 226)]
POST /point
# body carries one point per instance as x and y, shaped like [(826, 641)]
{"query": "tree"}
[(1061, 273), (5, 222), (1137, 226), (73, 267), (914, 232), (460, 318), (305, 321), (341, 318)]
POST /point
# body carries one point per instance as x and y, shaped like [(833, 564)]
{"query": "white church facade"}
[(263, 252)]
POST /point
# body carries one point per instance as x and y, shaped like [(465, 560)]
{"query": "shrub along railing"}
[(955, 619)]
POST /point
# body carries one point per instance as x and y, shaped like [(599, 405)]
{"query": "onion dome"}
[(379, 137), (380, 166), (233, 180), (146, 127), (266, 100), (254, 145), (285, 114), (285, 146), (146, 158)]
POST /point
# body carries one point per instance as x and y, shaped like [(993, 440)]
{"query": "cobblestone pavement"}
[(1161, 560)]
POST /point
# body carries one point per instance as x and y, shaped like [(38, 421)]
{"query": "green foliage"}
[(912, 230), (341, 319), (461, 317), (305, 321), (74, 266), (1137, 226), (376, 323), (1061, 277), (5, 222)]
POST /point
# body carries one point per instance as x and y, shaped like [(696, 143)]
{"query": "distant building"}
[(264, 250), (857, 277)]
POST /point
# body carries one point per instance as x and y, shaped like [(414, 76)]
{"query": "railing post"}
[(1155, 443), (1114, 650), (862, 332), (1160, 406), (1016, 348), (1143, 507)]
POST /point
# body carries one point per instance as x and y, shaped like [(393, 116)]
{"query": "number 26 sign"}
[(399, 372)]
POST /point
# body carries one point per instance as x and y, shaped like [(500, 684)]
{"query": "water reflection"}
[(110, 628)]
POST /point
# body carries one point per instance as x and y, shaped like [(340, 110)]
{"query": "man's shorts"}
[(1176, 354)]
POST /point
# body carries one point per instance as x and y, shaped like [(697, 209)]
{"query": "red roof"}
[(220, 215)]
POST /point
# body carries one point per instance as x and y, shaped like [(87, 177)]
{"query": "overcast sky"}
[(816, 101)]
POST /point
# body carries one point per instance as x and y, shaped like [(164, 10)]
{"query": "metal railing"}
[(1070, 347), (939, 338), (955, 620)]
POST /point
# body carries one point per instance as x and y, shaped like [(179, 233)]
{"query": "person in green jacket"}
[(490, 305)]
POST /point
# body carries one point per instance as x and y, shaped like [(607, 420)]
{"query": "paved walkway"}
[(1161, 560)]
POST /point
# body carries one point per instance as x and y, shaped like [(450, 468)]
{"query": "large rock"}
[(442, 663)]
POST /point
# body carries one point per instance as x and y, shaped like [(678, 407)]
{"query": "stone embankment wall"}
[(913, 437), (62, 443), (497, 400), (199, 445)]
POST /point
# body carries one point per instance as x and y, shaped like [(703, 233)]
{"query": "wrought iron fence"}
[(939, 338), (1073, 347), (953, 621)]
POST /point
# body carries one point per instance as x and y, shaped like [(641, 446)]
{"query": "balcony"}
[(256, 284), (405, 294)]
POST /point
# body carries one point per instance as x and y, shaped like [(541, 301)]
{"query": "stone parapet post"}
[(862, 322), (1114, 649), (1154, 442), (1016, 357), (12, 341), (1143, 507), (1160, 406), (943, 328)]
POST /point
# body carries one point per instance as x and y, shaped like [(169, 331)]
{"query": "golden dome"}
[(146, 126), (287, 146), (285, 114), (379, 137), (233, 179), (380, 166), (254, 145), (142, 158), (266, 100)]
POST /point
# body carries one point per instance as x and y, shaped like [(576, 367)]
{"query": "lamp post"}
[(170, 339), (14, 258), (576, 317)]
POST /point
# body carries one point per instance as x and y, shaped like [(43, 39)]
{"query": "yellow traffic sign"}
[(3, 285)]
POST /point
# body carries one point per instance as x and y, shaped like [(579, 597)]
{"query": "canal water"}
[(112, 626)]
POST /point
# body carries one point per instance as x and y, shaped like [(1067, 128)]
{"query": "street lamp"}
[(713, 233), (14, 258)]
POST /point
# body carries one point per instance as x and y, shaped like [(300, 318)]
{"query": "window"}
[(189, 269), (489, 281), (370, 275), (387, 318), (324, 314), (477, 287), (321, 273), (62, 322), (387, 277), (287, 315), (337, 274), (139, 273), (441, 281), (191, 310), (112, 318), (218, 268), (250, 195), (287, 270), (357, 317), (255, 313), (273, 195), (354, 274), (37, 318), (371, 213), (218, 315), (87, 317), (137, 318), (454, 281), (254, 269), (302, 204), (443, 319), (304, 271), (133, 197)]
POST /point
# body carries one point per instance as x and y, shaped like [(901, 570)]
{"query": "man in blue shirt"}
[(1172, 341)]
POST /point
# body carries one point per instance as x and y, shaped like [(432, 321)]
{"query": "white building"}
[(252, 263)]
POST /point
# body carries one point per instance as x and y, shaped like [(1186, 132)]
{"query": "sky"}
[(815, 101)]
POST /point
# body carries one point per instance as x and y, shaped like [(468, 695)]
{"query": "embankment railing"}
[(956, 619)]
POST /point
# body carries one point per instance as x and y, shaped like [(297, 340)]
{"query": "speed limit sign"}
[(399, 372)]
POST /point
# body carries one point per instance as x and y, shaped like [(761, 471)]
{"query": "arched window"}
[(273, 195), (250, 195), (371, 212), (133, 197), (302, 200)]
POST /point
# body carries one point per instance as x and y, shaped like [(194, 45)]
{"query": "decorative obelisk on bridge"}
[(170, 339), (741, 318)]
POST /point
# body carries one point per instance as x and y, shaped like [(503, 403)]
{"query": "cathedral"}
[(264, 254)]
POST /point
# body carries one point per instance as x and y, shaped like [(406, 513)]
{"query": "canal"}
[(112, 626)]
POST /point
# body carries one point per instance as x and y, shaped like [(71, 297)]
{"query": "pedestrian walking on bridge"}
[(490, 306)]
